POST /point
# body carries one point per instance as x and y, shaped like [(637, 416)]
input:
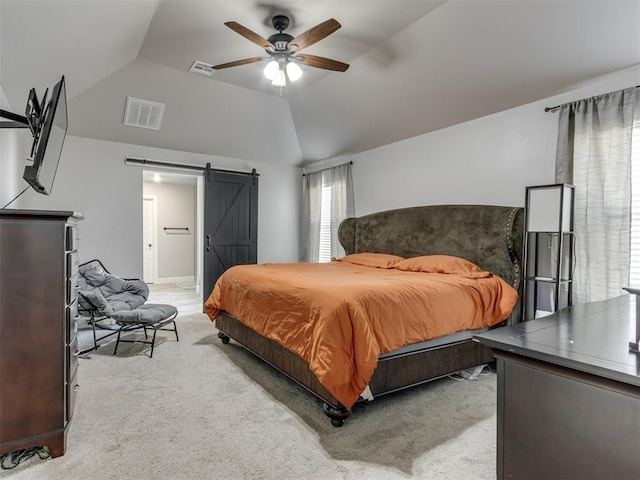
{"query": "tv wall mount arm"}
[(34, 116), (17, 121)]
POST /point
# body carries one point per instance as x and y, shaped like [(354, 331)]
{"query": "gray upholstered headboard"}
[(487, 235)]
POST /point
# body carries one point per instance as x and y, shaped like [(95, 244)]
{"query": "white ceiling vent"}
[(143, 113), (202, 68)]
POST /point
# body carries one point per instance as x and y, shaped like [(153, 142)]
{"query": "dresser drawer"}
[(72, 288), (71, 322), (72, 264), (72, 357), (72, 238), (71, 393)]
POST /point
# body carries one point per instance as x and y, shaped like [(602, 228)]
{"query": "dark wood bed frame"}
[(489, 236)]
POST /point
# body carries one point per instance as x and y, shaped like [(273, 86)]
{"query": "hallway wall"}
[(176, 249)]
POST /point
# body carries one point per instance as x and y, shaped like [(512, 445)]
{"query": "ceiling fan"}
[(283, 50)]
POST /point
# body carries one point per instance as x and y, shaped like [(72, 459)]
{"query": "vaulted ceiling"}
[(415, 66)]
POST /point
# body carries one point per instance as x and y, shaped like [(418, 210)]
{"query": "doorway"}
[(171, 238), (219, 236)]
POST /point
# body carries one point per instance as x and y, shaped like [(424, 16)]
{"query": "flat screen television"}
[(49, 130)]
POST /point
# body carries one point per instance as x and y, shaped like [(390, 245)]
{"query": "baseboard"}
[(174, 279)]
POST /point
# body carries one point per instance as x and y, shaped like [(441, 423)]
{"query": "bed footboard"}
[(406, 370)]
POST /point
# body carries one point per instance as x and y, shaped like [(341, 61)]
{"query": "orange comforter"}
[(339, 317)]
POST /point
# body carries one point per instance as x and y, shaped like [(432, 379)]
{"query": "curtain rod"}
[(328, 168), (157, 163), (553, 109)]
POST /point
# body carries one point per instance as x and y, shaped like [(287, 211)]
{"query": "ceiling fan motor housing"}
[(280, 40)]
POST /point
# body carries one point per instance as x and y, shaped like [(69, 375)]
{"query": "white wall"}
[(485, 161), (92, 179), (11, 153), (176, 248)]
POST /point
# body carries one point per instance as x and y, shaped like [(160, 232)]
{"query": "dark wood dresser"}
[(569, 394), (38, 344)]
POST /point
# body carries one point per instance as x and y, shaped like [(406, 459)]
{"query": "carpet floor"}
[(203, 410)]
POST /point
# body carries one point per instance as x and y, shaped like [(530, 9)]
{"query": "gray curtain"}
[(594, 154), (342, 206), (341, 203), (311, 209)]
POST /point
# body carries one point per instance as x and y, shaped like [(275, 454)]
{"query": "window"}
[(594, 152), (327, 200)]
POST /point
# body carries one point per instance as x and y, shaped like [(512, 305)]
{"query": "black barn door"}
[(230, 223)]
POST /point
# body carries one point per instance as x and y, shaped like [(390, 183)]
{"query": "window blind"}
[(325, 224)]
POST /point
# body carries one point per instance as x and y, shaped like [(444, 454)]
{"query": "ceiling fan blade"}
[(237, 63), (250, 35), (321, 62), (315, 34)]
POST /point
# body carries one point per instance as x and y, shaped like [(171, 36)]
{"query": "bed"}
[(487, 236)]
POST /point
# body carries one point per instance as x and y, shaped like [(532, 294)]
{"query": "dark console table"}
[(569, 394)]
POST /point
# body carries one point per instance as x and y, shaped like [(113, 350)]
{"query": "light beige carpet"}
[(203, 410)]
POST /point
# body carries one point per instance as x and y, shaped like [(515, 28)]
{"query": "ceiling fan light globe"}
[(294, 72), (271, 70), (280, 79)]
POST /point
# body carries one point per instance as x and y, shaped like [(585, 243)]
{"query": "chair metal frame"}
[(132, 326)]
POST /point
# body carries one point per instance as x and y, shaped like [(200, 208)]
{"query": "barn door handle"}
[(208, 243)]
